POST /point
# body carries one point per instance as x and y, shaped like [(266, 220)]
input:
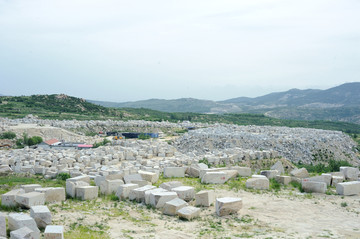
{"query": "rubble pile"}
[(295, 144)]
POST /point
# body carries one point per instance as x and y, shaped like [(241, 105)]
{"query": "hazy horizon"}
[(123, 51)]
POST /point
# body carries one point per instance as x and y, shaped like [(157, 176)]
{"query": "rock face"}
[(227, 205)]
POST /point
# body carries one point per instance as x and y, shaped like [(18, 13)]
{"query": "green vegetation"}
[(144, 136), (8, 135), (63, 176), (332, 166), (102, 143), (65, 107), (25, 140), (344, 204)]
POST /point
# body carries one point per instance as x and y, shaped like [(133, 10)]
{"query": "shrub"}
[(8, 135), (34, 140), (63, 176)]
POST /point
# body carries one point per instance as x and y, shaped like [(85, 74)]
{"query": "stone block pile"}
[(23, 225)]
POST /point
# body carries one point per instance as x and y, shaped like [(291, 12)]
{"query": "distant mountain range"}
[(341, 103)]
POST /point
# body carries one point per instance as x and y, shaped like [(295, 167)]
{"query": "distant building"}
[(49, 143)]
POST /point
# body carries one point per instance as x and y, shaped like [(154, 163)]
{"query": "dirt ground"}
[(285, 214)]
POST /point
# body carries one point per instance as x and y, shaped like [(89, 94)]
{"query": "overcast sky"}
[(116, 50)]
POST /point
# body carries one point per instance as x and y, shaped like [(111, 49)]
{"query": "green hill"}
[(67, 107)]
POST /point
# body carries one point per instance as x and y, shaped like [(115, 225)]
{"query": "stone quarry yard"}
[(281, 212)]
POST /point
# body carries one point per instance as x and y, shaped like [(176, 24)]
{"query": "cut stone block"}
[(227, 205), (261, 183), (300, 173), (41, 215), (2, 226), (19, 220), (30, 199), (336, 179), (204, 198), (148, 192), (87, 192), (83, 178), (283, 179), (138, 194), (149, 176), (170, 185), (209, 170), (171, 207), (279, 167), (194, 170), (348, 188), (321, 178), (313, 186), (141, 183), (188, 212), (270, 173), (54, 232), (186, 193), (230, 173), (242, 171), (350, 173), (124, 190), (158, 199), (327, 178), (258, 176), (108, 187), (132, 177), (214, 178), (24, 233), (99, 179), (72, 185), (53, 194), (30, 187), (8, 199), (174, 172)]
